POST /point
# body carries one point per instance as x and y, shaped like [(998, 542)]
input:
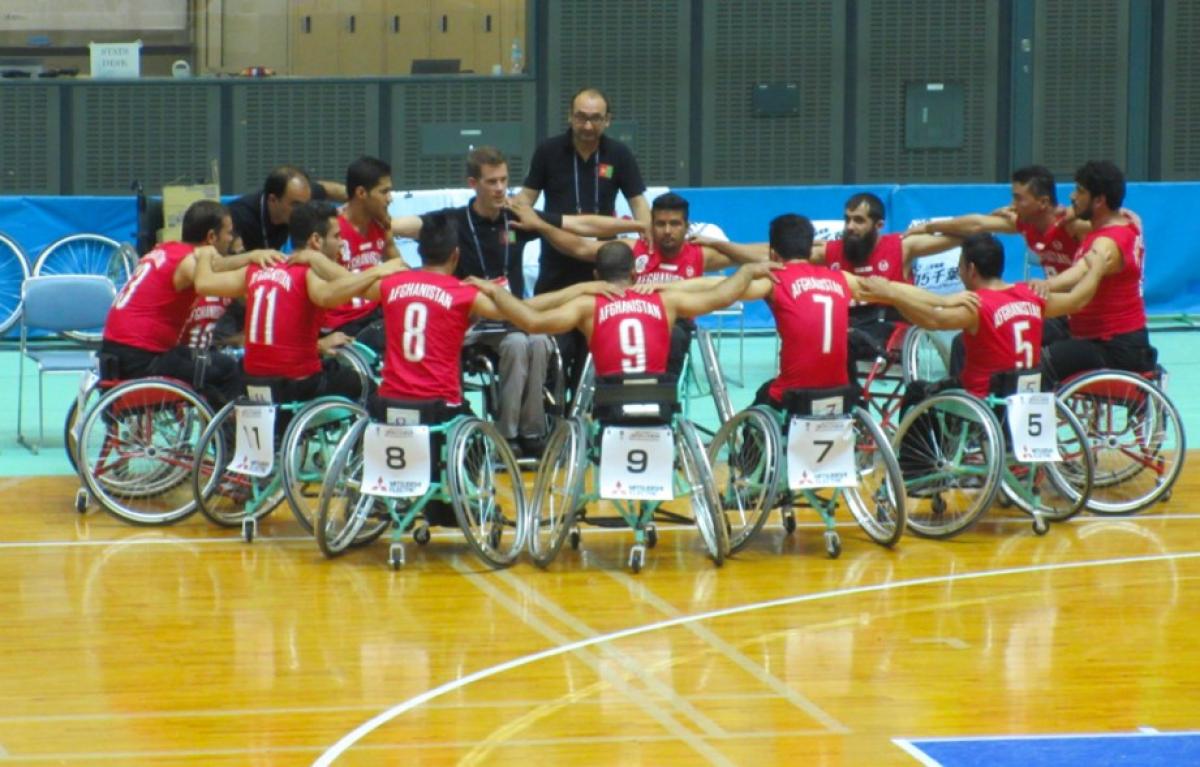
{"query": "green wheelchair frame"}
[(748, 455), (563, 491), (347, 517)]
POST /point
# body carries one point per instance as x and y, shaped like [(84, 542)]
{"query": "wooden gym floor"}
[(186, 646)]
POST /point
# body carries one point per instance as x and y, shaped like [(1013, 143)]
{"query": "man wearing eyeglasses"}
[(581, 171)]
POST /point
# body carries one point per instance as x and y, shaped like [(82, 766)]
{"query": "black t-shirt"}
[(253, 223), (502, 245), (574, 185)]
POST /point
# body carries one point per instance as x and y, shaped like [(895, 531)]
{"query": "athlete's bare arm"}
[(722, 253), (591, 225), (965, 226), (568, 316), (573, 245), (921, 245), (922, 307), (695, 303), (208, 282), (329, 294), (406, 226)]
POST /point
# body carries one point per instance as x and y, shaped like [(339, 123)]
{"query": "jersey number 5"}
[(1024, 348)]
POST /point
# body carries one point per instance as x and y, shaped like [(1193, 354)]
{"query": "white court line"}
[(357, 734), (916, 753), (1051, 736)]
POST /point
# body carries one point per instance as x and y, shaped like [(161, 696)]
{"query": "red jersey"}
[(282, 323), (1055, 247), (198, 329), (427, 315), (1009, 336), (811, 305), (359, 253), (886, 259), (630, 335), (652, 267), (149, 312), (1118, 306)]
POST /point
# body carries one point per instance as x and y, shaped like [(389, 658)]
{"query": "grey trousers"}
[(524, 360)]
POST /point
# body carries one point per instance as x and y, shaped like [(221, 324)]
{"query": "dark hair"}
[(670, 201), (1101, 177), (313, 217), (279, 178), (1039, 179), (438, 239), (614, 261), (792, 236), (365, 172), (874, 205), (986, 253), (484, 155), (595, 92), (202, 217)]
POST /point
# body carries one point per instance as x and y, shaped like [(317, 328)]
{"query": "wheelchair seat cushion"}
[(1007, 382), (636, 400), (430, 412), (800, 401)]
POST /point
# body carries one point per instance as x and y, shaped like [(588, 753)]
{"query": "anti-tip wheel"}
[(421, 534), (833, 544), (574, 538), (81, 500), (651, 536), (789, 521), (249, 529), (1040, 526), (637, 558), (396, 556)]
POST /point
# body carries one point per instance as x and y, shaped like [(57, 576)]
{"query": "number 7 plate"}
[(821, 453), (637, 463)]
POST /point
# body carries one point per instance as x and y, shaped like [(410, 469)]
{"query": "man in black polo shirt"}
[(261, 218), (491, 248), (581, 171)]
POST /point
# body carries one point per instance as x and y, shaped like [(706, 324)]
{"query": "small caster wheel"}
[(495, 535), (421, 534), (637, 558), (1003, 501), (651, 536), (833, 544), (574, 537), (789, 521), (938, 505), (1165, 497), (396, 556), (81, 500), (1040, 526), (249, 529)]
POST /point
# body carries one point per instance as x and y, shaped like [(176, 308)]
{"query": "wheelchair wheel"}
[(346, 517), (949, 448), (487, 492), (702, 488), (136, 450), (307, 452), (585, 393), (228, 498), (1056, 490), (878, 502), (925, 355), (89, 392), (745, 459), (1136, 437), (361, 360), (551, 511), (14, 270), (87, 254)]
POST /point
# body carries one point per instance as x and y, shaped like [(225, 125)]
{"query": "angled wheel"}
[(949, 448), (1056, 490), (346, 517), (14, 270), (228, 498), (745, 460), (137, 448), (925, 355), (551, 510), (878, 502), (701, 487), (487, 491), (88, 394), (1136, 437), (307, 451)]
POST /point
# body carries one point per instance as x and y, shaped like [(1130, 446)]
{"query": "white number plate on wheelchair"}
[(1034, 427), (820, 453), (254, 447), (396, 460), (637, 463)]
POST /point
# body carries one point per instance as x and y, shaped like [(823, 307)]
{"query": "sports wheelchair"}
[(910, 354), (393, 472), (751, 452), (1135, 435), (956, 456), (633, 425)]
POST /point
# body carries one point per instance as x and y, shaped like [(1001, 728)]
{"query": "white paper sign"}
[(1034, 428), (254, 450), (396, 460), (637, 463), (821, 453), (116, 60)]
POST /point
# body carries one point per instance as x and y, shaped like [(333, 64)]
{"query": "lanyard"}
[(262, 218), (479, 248), (595, 188)]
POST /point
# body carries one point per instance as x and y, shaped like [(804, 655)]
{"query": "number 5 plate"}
[(396, 461), (1034, 428), (821, 453), (637, 463)]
